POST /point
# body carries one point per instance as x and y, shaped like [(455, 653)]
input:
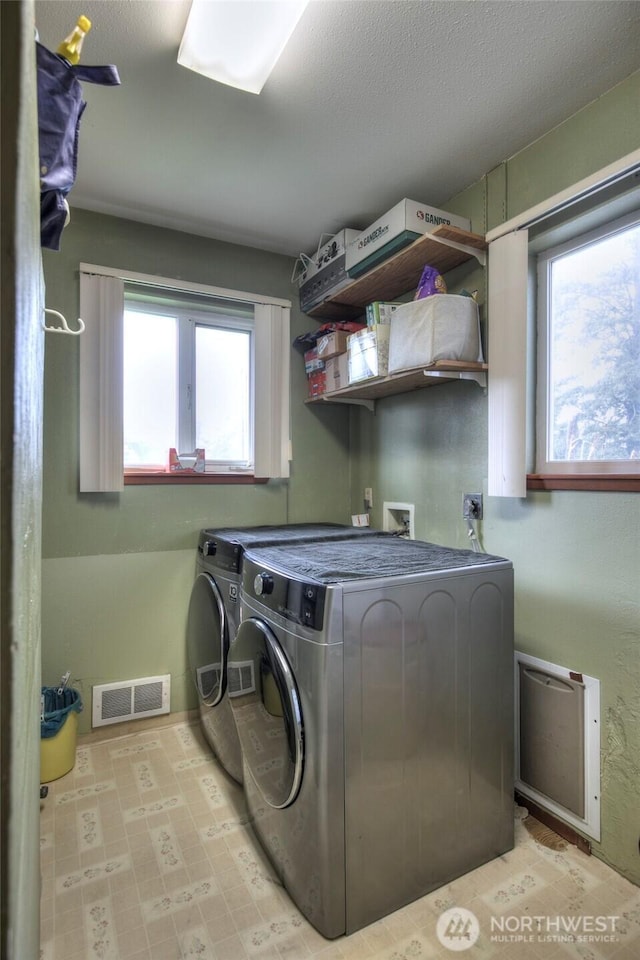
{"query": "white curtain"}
[(271, 423), (101, 386), (507, 392)]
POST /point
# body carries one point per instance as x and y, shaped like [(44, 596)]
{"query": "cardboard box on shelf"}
[(317, 383), (337, 371), (395, 229), (324, 273), (368, 352), (331, 344), (312, 362), (380, 311)]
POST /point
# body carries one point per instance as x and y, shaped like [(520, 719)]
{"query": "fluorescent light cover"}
[(238, 42)]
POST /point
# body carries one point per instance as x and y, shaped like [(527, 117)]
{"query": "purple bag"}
[(430, 282)]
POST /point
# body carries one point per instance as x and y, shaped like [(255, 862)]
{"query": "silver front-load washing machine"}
[(372, 688), (213, 619)]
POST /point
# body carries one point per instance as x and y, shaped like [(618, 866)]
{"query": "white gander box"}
[(368, 352), (440, 327), (394, 230)]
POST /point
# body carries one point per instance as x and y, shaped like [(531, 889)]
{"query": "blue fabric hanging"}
[(60, 107)]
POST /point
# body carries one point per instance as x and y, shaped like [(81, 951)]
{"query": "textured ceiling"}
[(370, 102)]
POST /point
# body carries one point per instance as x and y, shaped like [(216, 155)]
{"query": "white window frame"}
[(101, 446), (543, 464), (189, 320), (510, 350)]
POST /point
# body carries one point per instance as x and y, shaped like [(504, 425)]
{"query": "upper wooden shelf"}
[(445, 248)]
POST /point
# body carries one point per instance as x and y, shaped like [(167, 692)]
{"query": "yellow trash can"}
[(59, 732)]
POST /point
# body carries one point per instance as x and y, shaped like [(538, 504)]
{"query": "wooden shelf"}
[(445, 248), (441, 371)]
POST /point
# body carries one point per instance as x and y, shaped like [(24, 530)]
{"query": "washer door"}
[(266, 707), (207, 640)]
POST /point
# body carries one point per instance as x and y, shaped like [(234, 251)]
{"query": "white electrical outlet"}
[(368, 497), (399, 518)]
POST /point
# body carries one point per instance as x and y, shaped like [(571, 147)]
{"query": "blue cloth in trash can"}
[(56, 706)]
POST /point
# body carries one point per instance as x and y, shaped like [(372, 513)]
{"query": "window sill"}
[(138, 478), (614, 483)]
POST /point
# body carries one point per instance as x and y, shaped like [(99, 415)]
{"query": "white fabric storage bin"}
[(440, 327)]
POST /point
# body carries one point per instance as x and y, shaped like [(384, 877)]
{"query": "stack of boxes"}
[(340, 359), (314, 369), (326, 364), (351, 253)]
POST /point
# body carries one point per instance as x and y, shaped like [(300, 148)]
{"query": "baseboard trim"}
[(130, 727)]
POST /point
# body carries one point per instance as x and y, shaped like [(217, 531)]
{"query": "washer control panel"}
[(216, 553), (296, 600)]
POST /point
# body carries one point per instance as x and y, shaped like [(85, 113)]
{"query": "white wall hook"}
[(65, 328)]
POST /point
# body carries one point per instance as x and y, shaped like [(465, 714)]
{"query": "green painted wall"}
[(576, 555), (596, 136), (117, 569)]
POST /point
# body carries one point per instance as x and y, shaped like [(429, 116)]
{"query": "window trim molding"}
[(613, 483), (188, 285), (141, 478), (579, 191)]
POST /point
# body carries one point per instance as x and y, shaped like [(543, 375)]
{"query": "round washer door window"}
[(266, 707), (207, 641)]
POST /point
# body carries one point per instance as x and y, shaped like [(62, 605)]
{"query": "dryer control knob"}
[(263, 584)]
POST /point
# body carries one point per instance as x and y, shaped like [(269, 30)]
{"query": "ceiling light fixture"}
[(238, 42)]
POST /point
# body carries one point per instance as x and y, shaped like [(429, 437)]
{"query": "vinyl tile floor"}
[(146, 854)]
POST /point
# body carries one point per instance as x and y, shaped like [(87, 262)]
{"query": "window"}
[(188, 381), (588, 403), (166, 363), (565, 415)]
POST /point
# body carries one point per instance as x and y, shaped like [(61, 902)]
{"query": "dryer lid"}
[(330, 561)]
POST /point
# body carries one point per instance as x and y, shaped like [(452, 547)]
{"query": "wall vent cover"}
[(130, 700)]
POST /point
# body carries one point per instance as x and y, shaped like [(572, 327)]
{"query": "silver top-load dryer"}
[(372, 686)]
